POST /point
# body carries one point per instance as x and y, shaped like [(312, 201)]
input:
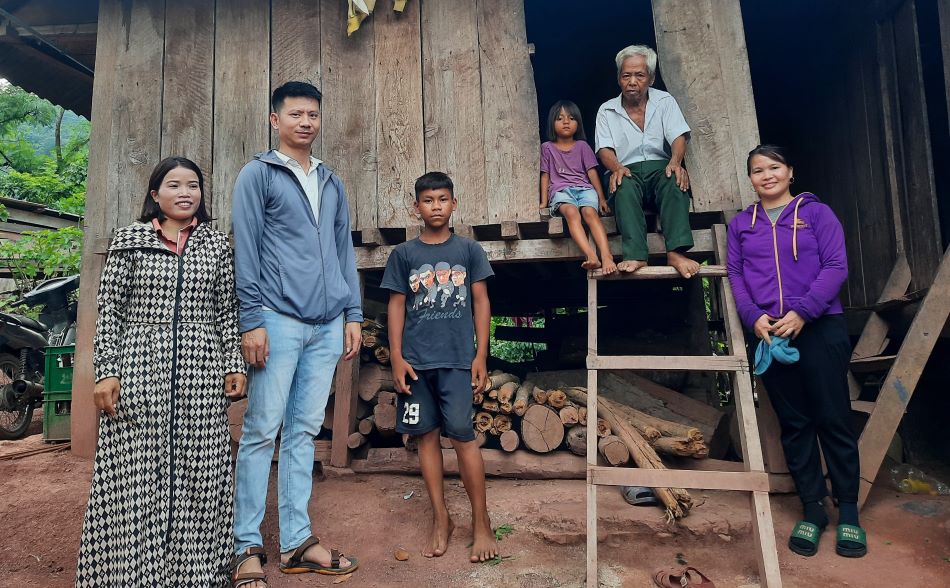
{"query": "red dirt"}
[(44, 499)]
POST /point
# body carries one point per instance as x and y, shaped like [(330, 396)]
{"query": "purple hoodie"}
[(798, 264)]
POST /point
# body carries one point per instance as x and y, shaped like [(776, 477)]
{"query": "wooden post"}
[(344, 409)]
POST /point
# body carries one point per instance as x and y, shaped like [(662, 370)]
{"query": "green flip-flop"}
[(852, 534), (810, 533)]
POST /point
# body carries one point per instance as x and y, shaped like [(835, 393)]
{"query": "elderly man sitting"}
[(641, 139)]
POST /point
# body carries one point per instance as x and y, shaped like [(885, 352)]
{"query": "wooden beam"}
[(714, 363), (344, 409), (510, 230), (704, 480), (661, 272), (518, 464), (902, 379), (535, 250)]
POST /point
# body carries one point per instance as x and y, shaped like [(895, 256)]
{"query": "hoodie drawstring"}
[(795, 230)]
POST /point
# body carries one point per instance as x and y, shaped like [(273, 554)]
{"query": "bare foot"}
[(684, 265), (317, 554), (439, 538), (484, 544), (628, 266), (609, 267), (591, 263), (249, 566)]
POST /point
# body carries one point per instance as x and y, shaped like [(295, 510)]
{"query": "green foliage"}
[(513, 351), (502, 531), (40, 255), (44, 152)]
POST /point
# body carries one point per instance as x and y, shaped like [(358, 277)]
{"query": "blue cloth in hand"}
[(780, 350)]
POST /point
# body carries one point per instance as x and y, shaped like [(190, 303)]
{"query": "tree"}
[(18, 111)]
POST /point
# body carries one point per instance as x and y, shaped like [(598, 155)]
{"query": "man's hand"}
[(762, 327), (479, 375), (789, 326), (234, 385), (402, 369), (682, 178), (352, 340), (254, 347), (106, 394), (617, 177)]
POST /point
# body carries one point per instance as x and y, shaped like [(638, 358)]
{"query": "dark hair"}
[(773, 152), (434, 181), (151, 209), (294, 90), (572, 110)]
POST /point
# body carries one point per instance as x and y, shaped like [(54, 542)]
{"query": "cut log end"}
[(509, 441)]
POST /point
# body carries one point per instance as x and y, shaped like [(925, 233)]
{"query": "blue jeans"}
[(292, 390)]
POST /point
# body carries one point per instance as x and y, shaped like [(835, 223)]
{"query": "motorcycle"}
[(22, 350)]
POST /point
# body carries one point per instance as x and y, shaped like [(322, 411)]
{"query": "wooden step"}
[(713, 363), (659, 272), (875, 363), (864, 406), (687, 479)]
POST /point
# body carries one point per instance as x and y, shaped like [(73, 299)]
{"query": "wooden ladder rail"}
[(902, 378), (753, 480)]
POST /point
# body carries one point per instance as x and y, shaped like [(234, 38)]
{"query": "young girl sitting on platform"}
[(570, 186)]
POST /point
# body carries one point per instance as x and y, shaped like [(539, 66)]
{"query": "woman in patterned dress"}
[(167, 358)]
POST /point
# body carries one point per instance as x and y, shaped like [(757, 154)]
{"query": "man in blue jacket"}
[(299, 312)]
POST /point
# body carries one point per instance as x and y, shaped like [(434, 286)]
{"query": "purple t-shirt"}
[(567, 168)]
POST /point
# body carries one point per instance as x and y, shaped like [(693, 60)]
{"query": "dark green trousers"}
[(649, 185)]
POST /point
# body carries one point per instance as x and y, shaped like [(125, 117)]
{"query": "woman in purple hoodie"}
[(786, 264)]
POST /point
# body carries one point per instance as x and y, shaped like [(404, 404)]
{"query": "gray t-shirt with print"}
[(436, 279)]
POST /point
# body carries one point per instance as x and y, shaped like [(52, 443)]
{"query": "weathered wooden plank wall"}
[(188, 89), (241, 93), (713, 88), (452, 103), (400, 140), (296, 50), (509, 111)]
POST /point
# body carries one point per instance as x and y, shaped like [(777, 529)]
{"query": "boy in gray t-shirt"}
[(438, 311)]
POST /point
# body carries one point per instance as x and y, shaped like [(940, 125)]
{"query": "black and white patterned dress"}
[(160, 507)]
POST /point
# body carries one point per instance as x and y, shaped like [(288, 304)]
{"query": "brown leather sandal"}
[(682, 578), (238, 580), (297, 565)]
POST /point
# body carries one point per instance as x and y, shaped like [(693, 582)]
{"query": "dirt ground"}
[(370, 516)]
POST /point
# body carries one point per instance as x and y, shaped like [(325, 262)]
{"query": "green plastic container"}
[(58, 393)]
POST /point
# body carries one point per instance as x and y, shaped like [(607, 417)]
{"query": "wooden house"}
[(857, 90)]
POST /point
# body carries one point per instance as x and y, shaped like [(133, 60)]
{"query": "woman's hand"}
[(106, 395), (789, 326), (762, 327), (234, 385)]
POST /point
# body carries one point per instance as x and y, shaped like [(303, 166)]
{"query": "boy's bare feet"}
[(609, 267), (591, 263), (684, 265), (629, 266), (317, 554), (484, 544), (439, 537)]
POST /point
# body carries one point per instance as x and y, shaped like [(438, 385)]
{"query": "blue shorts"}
[(441, 397), (578, 196)]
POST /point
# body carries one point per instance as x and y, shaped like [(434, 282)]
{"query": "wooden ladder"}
[(753, 480), (905, 369)]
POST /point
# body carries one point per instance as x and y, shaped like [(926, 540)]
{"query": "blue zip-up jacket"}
[(283, 258)]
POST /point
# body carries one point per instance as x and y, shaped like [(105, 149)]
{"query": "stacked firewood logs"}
[(375, 343)]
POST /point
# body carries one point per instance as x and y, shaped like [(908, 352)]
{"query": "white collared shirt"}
[(663, 120), (310, 181)]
